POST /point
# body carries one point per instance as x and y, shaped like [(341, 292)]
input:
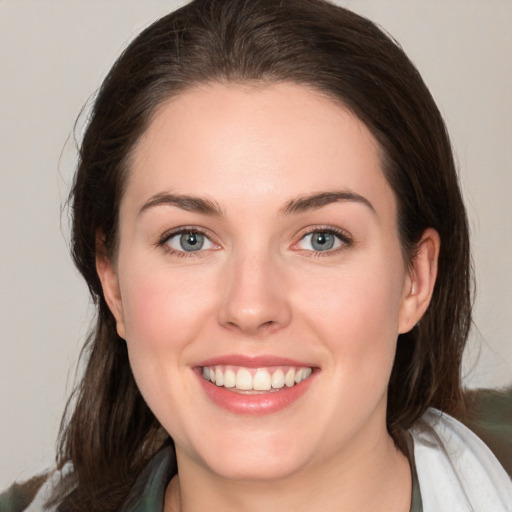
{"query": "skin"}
[(260, 287)]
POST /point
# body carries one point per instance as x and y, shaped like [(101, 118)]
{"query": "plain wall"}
[(53, 55)]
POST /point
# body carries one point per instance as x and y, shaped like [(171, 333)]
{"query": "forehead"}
[(269, 142)]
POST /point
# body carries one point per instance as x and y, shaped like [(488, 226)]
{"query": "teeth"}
[(278, 379), (255, 379), (219, 377), (243, 380), (229, 379), (261, 381)]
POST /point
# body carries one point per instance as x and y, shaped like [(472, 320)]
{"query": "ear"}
[(419, 284), (110, 284)]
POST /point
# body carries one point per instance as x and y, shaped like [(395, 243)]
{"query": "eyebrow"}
[(317, 200), (297, 205), (185, 202)]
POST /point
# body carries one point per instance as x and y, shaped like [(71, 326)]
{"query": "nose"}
[(254, 298)]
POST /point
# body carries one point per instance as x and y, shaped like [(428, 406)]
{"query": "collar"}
[(148, 493), (456, 470)]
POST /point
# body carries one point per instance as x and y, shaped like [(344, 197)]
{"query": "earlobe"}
[(421, 280), (110, 285)]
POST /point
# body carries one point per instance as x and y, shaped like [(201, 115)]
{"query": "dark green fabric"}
[(148, 493), (490, 418), (416, 503)]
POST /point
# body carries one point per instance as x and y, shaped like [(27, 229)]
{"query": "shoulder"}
[(41, 493), (489, 416), (456, 468), (35, 494), (20, 495)]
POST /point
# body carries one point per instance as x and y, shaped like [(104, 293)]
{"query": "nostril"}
[(252, 326), (250, 305)]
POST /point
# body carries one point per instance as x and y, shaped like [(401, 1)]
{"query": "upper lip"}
[(260, 361)]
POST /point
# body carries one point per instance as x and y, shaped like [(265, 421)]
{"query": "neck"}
[(377, 479)]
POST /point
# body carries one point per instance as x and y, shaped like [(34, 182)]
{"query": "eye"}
[(188, 241), (323, 240)]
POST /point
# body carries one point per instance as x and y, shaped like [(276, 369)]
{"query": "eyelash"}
[(343, 236), (164, 239)]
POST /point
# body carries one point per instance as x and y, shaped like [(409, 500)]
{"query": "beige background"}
[(53, 54)]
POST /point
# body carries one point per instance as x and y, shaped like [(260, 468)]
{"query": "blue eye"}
[(189, 241), (322, 241)]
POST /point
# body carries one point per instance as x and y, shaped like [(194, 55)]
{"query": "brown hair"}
[(111, 433)]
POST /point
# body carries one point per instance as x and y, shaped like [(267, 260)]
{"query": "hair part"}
[(111, 433)]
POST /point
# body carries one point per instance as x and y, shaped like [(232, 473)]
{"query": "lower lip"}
[(257, 404)]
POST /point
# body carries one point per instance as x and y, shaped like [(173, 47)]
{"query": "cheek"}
[(161, 309), (355, 312), (163, 314)]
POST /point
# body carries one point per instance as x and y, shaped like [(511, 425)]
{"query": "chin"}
[(257, 468), (261, 457)]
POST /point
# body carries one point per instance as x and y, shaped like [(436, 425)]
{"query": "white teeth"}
[(229, 379), (219, 377), (261, 381), (243, 379), (302, 374), (278, 379), (252, 379), (289, 379)]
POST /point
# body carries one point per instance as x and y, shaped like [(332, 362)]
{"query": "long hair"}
[(110, 433)]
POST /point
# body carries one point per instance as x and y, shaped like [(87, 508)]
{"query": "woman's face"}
[(258, 247)]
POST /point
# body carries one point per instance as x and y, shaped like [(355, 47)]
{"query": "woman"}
[(267, 214)]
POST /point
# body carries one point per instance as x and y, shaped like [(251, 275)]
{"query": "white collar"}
[(456, 471)]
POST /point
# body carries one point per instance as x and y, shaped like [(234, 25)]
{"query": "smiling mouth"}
[(255, 380)]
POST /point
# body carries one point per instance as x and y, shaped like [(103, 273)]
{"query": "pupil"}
[(191, 241), (322, 241)]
